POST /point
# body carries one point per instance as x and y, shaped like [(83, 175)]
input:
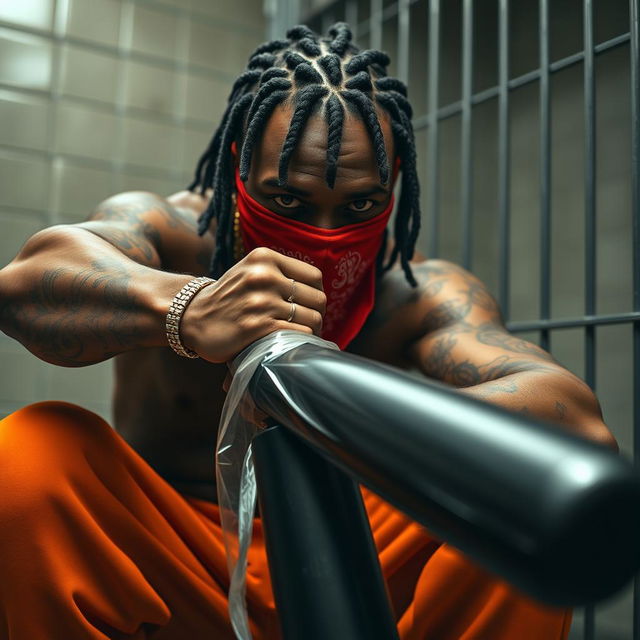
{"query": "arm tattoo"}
[(441, 364), (67, 314), (495, 336), (457, 309), (126, 208), (132, 234), (137, 243), (561, 409)]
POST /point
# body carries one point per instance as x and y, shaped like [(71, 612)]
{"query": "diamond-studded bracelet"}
[(179, 303)]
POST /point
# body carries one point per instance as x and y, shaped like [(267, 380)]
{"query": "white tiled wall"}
[(96, 97)]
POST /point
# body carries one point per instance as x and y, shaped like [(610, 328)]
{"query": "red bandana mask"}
[(346, 256)]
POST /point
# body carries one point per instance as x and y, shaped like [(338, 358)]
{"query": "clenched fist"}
[(250, 301)]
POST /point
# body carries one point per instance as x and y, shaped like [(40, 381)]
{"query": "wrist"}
[(161, 292), (177, 308)]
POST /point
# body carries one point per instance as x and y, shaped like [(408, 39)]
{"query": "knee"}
[(44, 442)]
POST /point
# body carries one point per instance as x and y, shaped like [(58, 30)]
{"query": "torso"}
[(168, 408)]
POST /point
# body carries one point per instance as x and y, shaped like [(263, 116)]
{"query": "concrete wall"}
[(97, 97)]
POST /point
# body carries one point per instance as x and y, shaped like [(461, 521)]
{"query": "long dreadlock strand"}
[(332, 68), (391, 84), (361, 81), (205, 167), (365, 59), (222, 184), (334, 116), (300, 31), (406, 227), (265, 90), (270, 47), (256, 125), (274, 72), (293, 59), (341, 35), (309, 47), (370, 118), (208, 157), (306, 74), (402, 103), (246, 79), (262, 61), (227, 136), (306, 100)]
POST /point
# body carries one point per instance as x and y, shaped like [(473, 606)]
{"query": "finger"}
[(283, 325), (300, 271), (299, 314), (304, 295)]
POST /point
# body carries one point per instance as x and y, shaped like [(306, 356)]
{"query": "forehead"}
[(356, 159)]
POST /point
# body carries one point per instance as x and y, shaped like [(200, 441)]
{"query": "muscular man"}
[(116, 534)]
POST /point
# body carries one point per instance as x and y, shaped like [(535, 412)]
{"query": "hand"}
[(250, 301)]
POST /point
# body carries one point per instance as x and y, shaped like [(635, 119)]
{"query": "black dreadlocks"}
[(310, 73)]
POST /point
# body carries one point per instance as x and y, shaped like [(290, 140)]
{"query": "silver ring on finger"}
[(292, 313), (293, 290)]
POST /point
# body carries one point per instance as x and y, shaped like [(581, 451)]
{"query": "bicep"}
[(130, 240), (139, 224), (463, 340), (465, 355)]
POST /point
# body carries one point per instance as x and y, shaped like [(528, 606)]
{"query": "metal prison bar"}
[(371, 25), (527, 500)]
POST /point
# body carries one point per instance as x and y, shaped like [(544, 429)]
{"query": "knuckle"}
[(257, 301), (259, 276), (260, 254)]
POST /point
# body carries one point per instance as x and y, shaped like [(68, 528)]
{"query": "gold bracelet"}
[(177, 307)]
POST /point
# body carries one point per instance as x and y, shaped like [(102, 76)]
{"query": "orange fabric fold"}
[(95, 544)]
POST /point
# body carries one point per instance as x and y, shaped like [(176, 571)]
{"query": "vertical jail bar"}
[(589, 190), (504, 157), (545, 173), (466, 173), (634, 11), (375, 24), (433, 177), (351, 16), (590, 228), (403, 40)]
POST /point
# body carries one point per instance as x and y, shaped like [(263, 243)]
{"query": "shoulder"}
[(446, 294), (169, 225), (190, 201), (180, 210)]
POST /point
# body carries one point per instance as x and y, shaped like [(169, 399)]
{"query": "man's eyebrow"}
[(355, 195), (352, 195), (272, 182)]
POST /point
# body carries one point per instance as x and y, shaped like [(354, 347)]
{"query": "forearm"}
[(73, 299), (553, 396)]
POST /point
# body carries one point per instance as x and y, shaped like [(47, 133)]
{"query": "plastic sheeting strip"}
[(235, 477)]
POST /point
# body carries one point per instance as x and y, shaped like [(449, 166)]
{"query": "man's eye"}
[(361, 205), (287, 201)]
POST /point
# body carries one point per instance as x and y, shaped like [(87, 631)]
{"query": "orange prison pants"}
[(94, 544)]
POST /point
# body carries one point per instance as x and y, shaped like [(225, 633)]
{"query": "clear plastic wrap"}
[(236, 486)]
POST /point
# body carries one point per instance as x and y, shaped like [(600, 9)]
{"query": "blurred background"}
[(101, 96)]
